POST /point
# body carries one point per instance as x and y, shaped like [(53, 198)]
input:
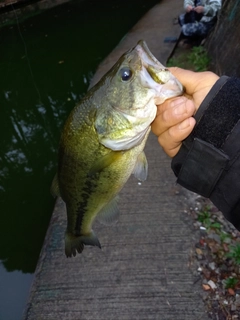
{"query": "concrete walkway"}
[(144, 270)]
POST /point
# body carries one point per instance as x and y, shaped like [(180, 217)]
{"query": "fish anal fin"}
[(140, 170), (74, 244), (110, 213)]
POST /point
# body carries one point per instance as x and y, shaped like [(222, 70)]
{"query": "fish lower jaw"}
[(127, 142), (167, 94)]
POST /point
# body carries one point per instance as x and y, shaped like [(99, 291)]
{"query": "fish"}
[(103, 139)]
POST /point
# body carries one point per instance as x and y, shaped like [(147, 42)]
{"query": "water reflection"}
[(15, 284), (28, 162), (31, 118)]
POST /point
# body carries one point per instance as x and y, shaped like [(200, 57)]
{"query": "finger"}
[(171, 140), (186, 77), (170, 103), (194, 81), (172, 112), (177, 105)]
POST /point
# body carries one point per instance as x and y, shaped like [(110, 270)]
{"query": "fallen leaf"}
[(199, 251), (206, 274), (206, 287), (231, 291), (212, 284)]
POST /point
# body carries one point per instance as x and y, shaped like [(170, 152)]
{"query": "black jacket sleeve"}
[(208, 162)]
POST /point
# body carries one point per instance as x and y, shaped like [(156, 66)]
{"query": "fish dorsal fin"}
[(110, 213), (140, 170), (55, 191)]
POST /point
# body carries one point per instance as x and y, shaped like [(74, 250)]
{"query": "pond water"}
[(46, 64)]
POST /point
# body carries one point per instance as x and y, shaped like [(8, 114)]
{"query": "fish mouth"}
[(156, 76), (147, 55)]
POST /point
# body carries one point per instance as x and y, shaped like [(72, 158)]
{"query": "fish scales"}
[(103, 139)]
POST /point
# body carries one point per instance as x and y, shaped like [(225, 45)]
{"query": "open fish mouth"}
[(147, 55), (156, 76)]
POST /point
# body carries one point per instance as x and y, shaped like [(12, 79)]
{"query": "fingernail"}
[(177, 101)]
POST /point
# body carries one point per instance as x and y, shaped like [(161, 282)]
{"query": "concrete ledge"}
[(10, 9)]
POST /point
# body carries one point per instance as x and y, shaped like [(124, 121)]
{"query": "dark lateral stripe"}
[(87, 192)]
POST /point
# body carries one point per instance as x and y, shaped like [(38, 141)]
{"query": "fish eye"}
[(126, 74)]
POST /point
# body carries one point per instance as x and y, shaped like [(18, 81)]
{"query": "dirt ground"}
[(217, 252)]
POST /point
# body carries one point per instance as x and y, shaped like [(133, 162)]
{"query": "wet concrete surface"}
[(144, 269)]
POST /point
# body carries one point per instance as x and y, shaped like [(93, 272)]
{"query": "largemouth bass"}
[(103, 140)]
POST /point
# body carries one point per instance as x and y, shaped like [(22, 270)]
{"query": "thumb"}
[(194, 81), (187, 78)]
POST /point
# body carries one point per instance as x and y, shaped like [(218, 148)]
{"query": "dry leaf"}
[(206, 287), (231, 291), (199, 251), (212, 284)]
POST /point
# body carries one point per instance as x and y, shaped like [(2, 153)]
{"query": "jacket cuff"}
[(209, 160)]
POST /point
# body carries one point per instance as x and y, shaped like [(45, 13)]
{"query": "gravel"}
[(217, 260)]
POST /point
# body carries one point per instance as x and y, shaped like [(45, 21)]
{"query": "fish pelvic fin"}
[(55, 187), (74, 244), (140, 170)]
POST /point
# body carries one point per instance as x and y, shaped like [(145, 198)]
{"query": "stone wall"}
[(223, 44)]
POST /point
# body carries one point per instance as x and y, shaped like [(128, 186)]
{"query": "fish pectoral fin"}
[(74, 244), (110, 213), (105, 161), (55, 191), (140, 170)]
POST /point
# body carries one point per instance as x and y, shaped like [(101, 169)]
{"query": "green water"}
[(46, 64)]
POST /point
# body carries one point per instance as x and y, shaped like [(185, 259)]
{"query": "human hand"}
[(189, 8), (199, 9), (174, 121)]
